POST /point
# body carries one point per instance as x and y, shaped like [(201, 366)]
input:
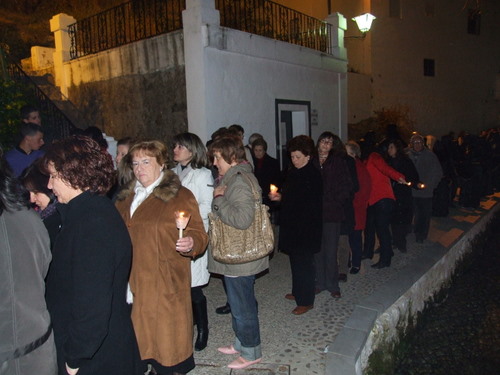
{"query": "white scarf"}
[(141, 193)]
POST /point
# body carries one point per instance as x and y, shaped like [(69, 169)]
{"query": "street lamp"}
[(364, 23)]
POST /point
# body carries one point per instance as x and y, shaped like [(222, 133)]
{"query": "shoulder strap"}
[(254, 190)]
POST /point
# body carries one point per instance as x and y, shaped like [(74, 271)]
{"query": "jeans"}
[(356, 243), (241, 297), (378, 220)]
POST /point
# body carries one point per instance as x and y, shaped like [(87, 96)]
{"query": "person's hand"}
[(220, 190), (71, 371), (401, 180), (184, 244), (275, 197)]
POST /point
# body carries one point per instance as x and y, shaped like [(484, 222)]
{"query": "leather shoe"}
[(223, 310), (228, 350), (380, 265), (336, 295), (354, 270), (342, 277), (241, 363), (290, 296), (299, 310)]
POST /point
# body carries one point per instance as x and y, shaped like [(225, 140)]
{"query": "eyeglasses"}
[(144, 163)]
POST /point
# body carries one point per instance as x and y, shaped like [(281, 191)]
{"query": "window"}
[(429, 69), (474, 21), (395, 9)]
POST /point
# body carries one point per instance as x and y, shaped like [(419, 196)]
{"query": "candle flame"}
[(273, 188)]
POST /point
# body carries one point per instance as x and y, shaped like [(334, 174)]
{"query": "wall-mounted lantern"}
[(364, 23)]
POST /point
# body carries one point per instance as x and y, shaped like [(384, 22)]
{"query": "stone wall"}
[(151, 105), (136, 90)]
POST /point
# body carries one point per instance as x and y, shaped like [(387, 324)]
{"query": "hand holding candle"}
[(181, 220)]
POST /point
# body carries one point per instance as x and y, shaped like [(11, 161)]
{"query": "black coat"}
[(403, 213), (267, 172), (86, 289), (301, 216)]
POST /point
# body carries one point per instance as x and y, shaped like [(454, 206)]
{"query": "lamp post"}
[(364, 23)]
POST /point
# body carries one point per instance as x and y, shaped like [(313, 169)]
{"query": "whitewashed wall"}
[(235, 77)]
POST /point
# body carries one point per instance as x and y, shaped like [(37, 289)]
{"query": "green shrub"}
[(12, 97)]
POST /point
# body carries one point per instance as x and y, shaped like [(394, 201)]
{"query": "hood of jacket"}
[(166, 190)]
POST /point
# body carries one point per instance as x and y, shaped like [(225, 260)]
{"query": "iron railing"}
[(141, 19), (56, 124), (123, 24), (275, 21)]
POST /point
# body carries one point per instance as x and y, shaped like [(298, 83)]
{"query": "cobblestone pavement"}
[(461, 334), (296, 344)]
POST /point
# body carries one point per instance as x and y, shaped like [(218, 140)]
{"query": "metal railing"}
[(141, 19), (57, 124), (275, 21), (123, 24)]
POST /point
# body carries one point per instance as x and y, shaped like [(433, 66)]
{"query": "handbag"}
[(230, 245)]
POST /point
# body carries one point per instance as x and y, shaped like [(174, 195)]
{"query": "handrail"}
[(272, 20), (123, 24), (141, 19), (58, 125)]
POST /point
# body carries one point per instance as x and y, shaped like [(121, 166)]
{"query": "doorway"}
[(293, 117)]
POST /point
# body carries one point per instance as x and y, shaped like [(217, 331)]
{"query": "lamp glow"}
[(364, 22)]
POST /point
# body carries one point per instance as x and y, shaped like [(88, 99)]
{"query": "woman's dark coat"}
[(301, 218), (86, 289), (267, 172), (403, 212), (337, 188)]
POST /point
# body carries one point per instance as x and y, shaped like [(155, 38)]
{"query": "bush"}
[(12, 97)]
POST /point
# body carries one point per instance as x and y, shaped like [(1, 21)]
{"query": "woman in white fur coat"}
[(191, 157)]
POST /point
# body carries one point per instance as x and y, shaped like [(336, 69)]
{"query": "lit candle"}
[(181, 220), (273, 189), (421, 186), (408, 183)]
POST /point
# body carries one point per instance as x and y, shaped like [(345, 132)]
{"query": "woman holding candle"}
[(87, 280), (234, 203), (381, 204), (403, 211), (301, 220), (160, 275), (192, 162)]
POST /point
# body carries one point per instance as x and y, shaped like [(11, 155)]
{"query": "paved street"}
[(296, 344)]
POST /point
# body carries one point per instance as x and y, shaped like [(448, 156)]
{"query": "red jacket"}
[(381, 174)]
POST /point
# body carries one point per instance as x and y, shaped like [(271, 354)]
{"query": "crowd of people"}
[(116, 280)]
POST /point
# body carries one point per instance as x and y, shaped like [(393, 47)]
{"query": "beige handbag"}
[(236, 246)]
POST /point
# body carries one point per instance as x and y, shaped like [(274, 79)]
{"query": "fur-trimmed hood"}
[(166, 190)]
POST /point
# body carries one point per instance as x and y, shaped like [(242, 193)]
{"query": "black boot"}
[(201, 320)]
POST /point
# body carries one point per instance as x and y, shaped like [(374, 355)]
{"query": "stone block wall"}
[(143, 106)]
